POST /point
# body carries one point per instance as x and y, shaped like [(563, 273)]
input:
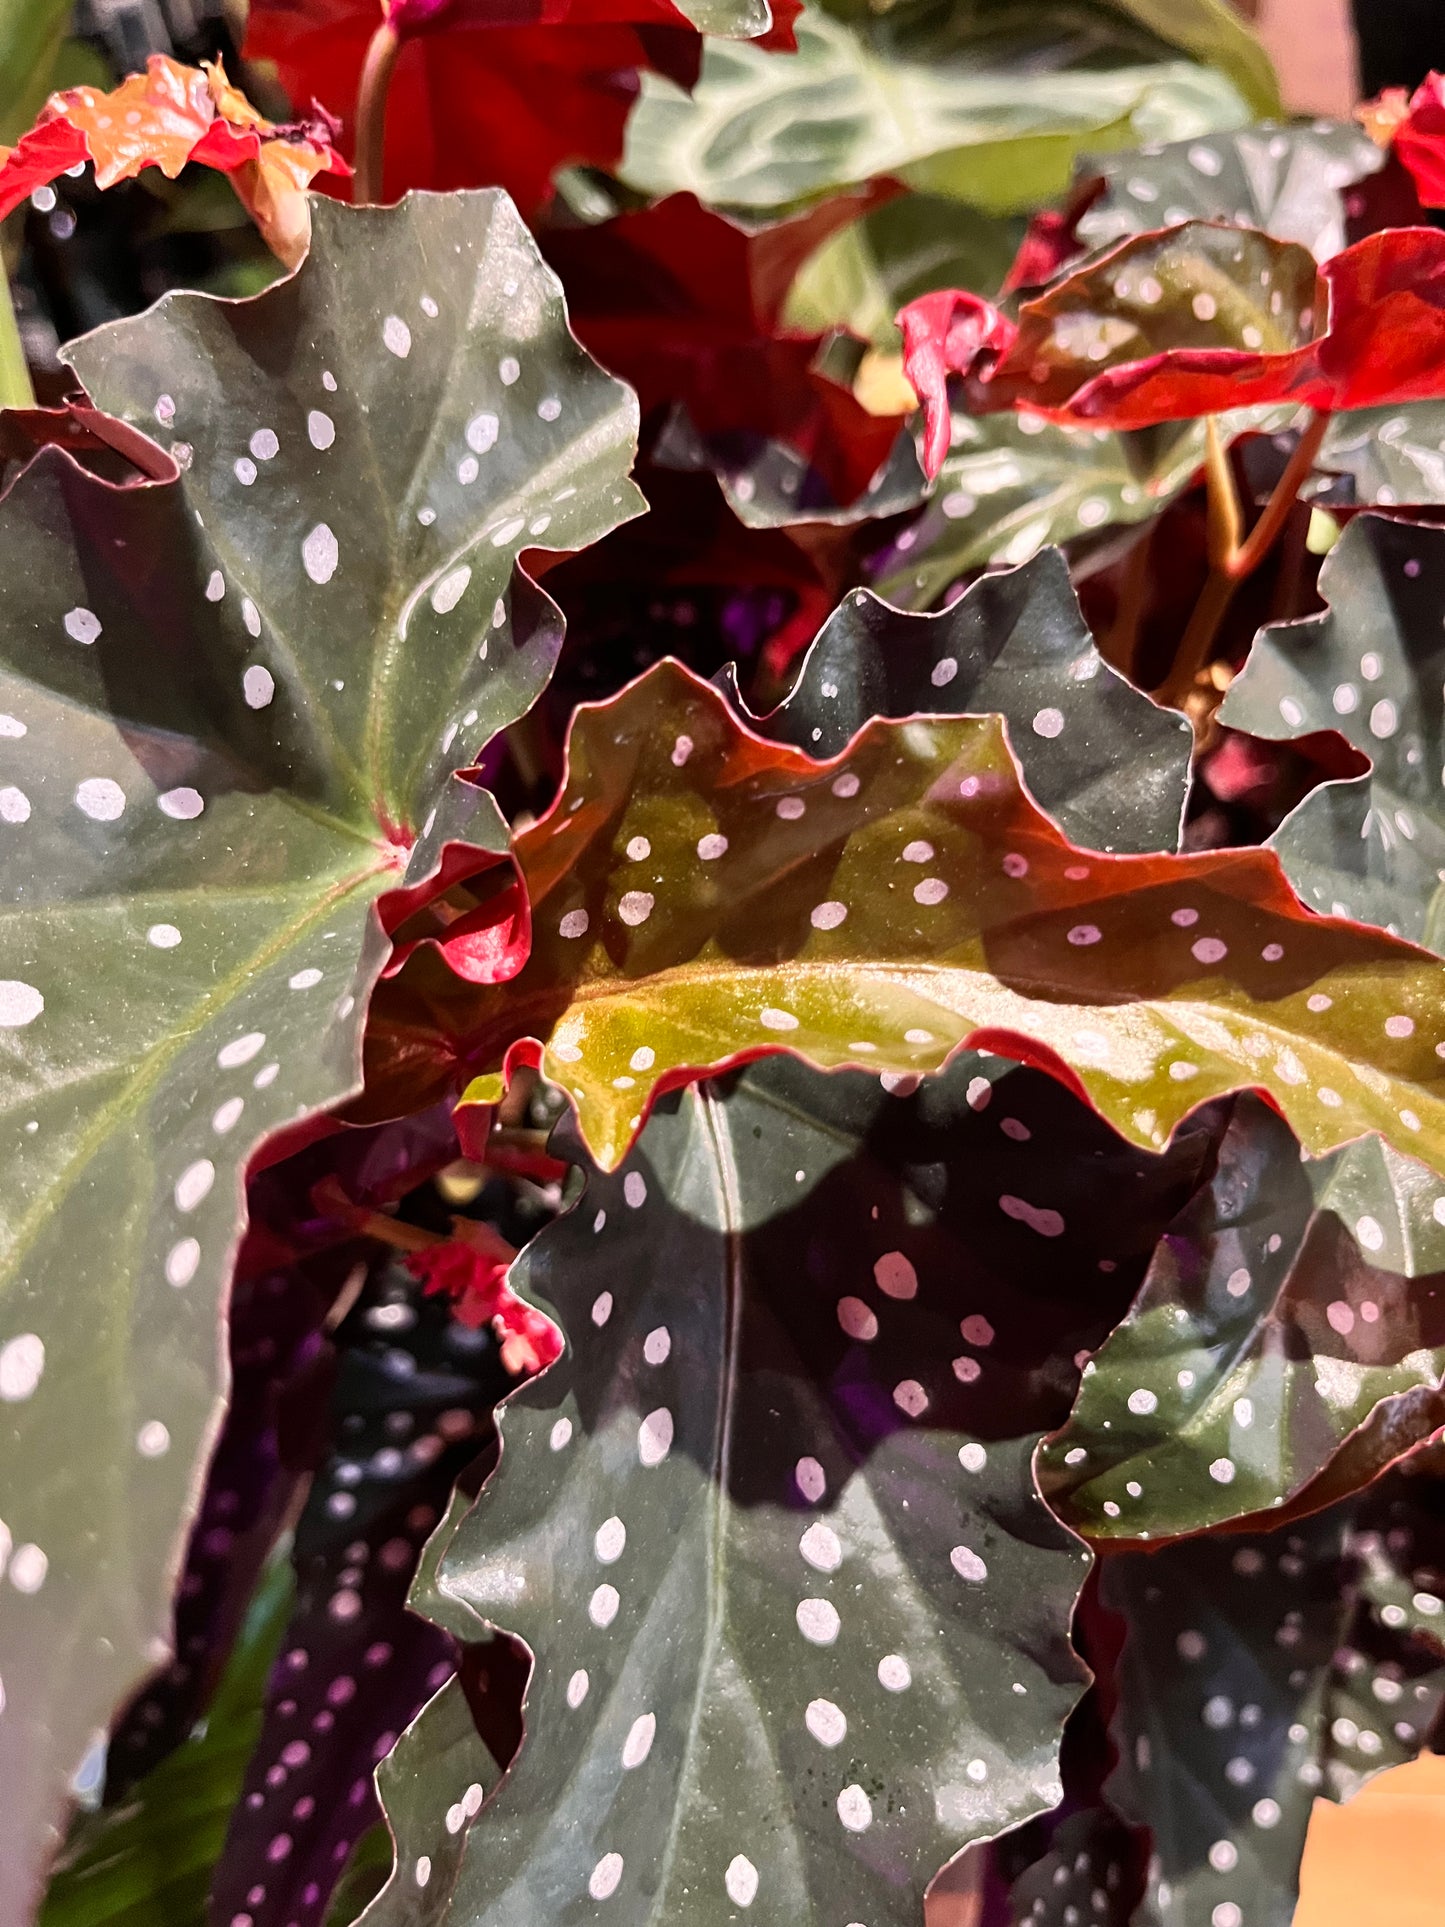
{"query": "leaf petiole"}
[(371, 96), (1232, 560)]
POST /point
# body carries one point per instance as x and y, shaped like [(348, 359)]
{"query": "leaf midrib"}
[(152, 1065)]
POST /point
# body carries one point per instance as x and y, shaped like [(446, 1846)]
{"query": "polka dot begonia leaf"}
[(1258, 1674), (1371, 668), (1011, 484), (700, 896), (217, 752), (1108, 765), (769, 1526), (1286, 178), (1272, 1346)]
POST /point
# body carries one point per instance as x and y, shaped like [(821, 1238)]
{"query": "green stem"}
[(1232, 561), (371, 112), (15, 386)]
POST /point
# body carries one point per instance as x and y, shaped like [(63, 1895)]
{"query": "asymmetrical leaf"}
[(958, 105), (1253, 1679), (1286, 178), (1371, 667), (1269, 1338), (1203, 318), (218, 751), (798, 1617), (1012, 484), (1014, 645), (896, 902)]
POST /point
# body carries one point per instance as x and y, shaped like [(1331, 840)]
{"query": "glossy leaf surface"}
[(769, 1527), (1255, 1678), (1393, 455), (1371, 667), (1270, 1336), (1162, 315), (1015, 645), (886, 907), (1014, 483), (217, 750), (952, 105), (1284, 178)]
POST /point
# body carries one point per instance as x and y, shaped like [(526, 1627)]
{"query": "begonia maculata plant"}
[(723, 1024)]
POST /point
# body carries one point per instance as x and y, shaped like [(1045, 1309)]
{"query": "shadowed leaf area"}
[(809, 1633), (1290, 1330)]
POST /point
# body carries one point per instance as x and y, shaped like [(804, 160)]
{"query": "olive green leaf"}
[(1013, 483), (769, 1527), (1212, 31), (984, 105), (900, 900), (229, 712), (860, 278), (1256, 1675), (1109, 766), (148, 1861), (1286, 178), (1371, 667), (31, 34), (1270, 1338)]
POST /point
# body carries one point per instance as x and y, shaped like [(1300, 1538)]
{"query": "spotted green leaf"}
[(1270, 1338), (1012, 484), (769, 1528), (229, 711), (891, 904), (769, 485), (1286, 178), (1257, 1675), (1107, 764), (1371, 667), (984, 109), (1393, 455)]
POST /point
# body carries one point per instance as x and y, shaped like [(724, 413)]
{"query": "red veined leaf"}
[(1202, 318), (885, 907), (686, 305), (165, 117)]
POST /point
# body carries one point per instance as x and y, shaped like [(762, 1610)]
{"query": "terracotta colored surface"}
[(1379, 1860), (1313, 49)]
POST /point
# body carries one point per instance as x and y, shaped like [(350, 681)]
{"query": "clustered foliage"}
[(722, 1025)]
